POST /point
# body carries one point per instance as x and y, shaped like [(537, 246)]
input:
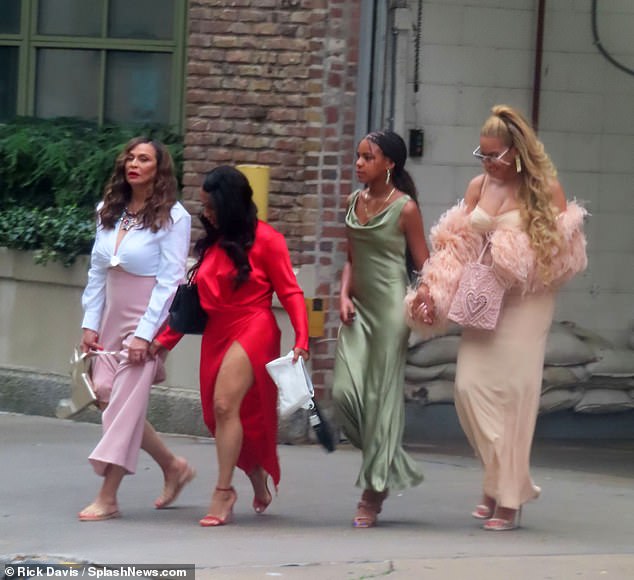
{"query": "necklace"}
[(366, 196), (129, 220)]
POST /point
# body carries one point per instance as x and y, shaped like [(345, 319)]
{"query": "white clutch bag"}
[(82, 394), (294, 386)]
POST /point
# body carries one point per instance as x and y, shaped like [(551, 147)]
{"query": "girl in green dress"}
[(383, 222)]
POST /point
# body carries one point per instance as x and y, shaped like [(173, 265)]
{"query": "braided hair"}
[(393, 147)]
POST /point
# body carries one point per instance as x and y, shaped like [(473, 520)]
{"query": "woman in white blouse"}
[(138, 259)]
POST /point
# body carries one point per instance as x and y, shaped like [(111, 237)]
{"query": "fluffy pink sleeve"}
[(573, 258), (453, 243), (514, 259)]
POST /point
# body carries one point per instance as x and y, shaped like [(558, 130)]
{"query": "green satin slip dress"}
[(370, 357)]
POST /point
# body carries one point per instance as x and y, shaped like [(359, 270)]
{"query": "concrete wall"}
[(41, 318), (477, 54)]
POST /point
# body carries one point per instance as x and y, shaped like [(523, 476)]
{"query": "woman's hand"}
[(423, 304), (297, 352), (138, 350), (347, 312), (89, 341), (155, 348)]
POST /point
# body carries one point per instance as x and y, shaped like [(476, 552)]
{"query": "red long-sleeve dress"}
[(245, 315)]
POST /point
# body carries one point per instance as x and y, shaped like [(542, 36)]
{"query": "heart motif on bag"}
[(478, 298), (476, 303)]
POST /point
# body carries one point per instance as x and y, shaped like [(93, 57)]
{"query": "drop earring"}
[(389, 175), (518, 164)]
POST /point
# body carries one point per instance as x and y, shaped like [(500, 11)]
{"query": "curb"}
[(171, 410)]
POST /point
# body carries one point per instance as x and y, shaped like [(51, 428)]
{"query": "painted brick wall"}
[(273, 82)]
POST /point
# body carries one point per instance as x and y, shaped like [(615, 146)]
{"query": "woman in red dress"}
[(241, 262)]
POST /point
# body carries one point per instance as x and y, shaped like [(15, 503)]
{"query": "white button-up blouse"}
[(141, 252)]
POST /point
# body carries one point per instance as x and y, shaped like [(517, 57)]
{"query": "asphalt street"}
[(581, 527)]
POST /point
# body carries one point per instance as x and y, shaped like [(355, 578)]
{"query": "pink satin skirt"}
[(124, 386)]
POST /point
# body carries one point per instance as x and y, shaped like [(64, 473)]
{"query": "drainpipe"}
[(399, 101), (539, 49)]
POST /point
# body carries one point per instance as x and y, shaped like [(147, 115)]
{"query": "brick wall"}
[(273, 82)]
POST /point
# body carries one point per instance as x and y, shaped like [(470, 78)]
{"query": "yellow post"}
[(258, 176)]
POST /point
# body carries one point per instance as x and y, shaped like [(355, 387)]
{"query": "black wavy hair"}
[(231, 197)]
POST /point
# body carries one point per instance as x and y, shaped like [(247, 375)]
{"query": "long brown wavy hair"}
[(537, 175), (118, 193)]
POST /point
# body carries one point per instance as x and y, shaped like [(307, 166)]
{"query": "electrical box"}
[(259, 177), (316, 308), (416, 137)]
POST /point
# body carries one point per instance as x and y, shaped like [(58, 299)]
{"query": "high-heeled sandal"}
[(369, 508), (259, 506), (210, 521), (483, 511), (502, 524)]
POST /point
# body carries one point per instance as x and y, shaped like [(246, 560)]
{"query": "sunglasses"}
[(492, 158)]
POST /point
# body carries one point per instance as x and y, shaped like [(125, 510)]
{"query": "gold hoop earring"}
[(389, 175), (518, 164)]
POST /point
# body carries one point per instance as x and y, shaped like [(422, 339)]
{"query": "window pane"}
[(67, 83), (147, 19), (8, 82), (70, 17), (9, 16), (138, 87)]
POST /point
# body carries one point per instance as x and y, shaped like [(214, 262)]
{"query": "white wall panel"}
[(477, 53)]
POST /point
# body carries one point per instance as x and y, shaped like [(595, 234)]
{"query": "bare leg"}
[(176, 471), (105, 505), (235, 378), (261, 494)]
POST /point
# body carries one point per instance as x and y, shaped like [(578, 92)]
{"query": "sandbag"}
[(415, 339), (564, 349), (439, 392), (416, 375), (560, 399), (605, 401), (619, 384), (591, 338), (430, 392), (613, 363), (436, 351), (555, 377)]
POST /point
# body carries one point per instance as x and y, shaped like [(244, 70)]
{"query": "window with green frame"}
[(111, 61)]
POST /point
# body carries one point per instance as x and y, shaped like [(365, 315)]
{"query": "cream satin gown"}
[(499, 380)]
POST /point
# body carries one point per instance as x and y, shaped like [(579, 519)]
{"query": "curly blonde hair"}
[(537, 174)]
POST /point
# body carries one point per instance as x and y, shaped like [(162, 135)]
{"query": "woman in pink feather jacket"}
[(536, 245)]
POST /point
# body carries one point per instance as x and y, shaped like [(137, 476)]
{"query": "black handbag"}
[(185, 314), (323, 430)]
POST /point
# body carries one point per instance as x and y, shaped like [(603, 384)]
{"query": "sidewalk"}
[(582, 527)]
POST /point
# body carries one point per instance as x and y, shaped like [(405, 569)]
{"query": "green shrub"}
[(52, 174), (55, 233)]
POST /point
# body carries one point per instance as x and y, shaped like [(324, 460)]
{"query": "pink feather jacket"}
[(454, 242)]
